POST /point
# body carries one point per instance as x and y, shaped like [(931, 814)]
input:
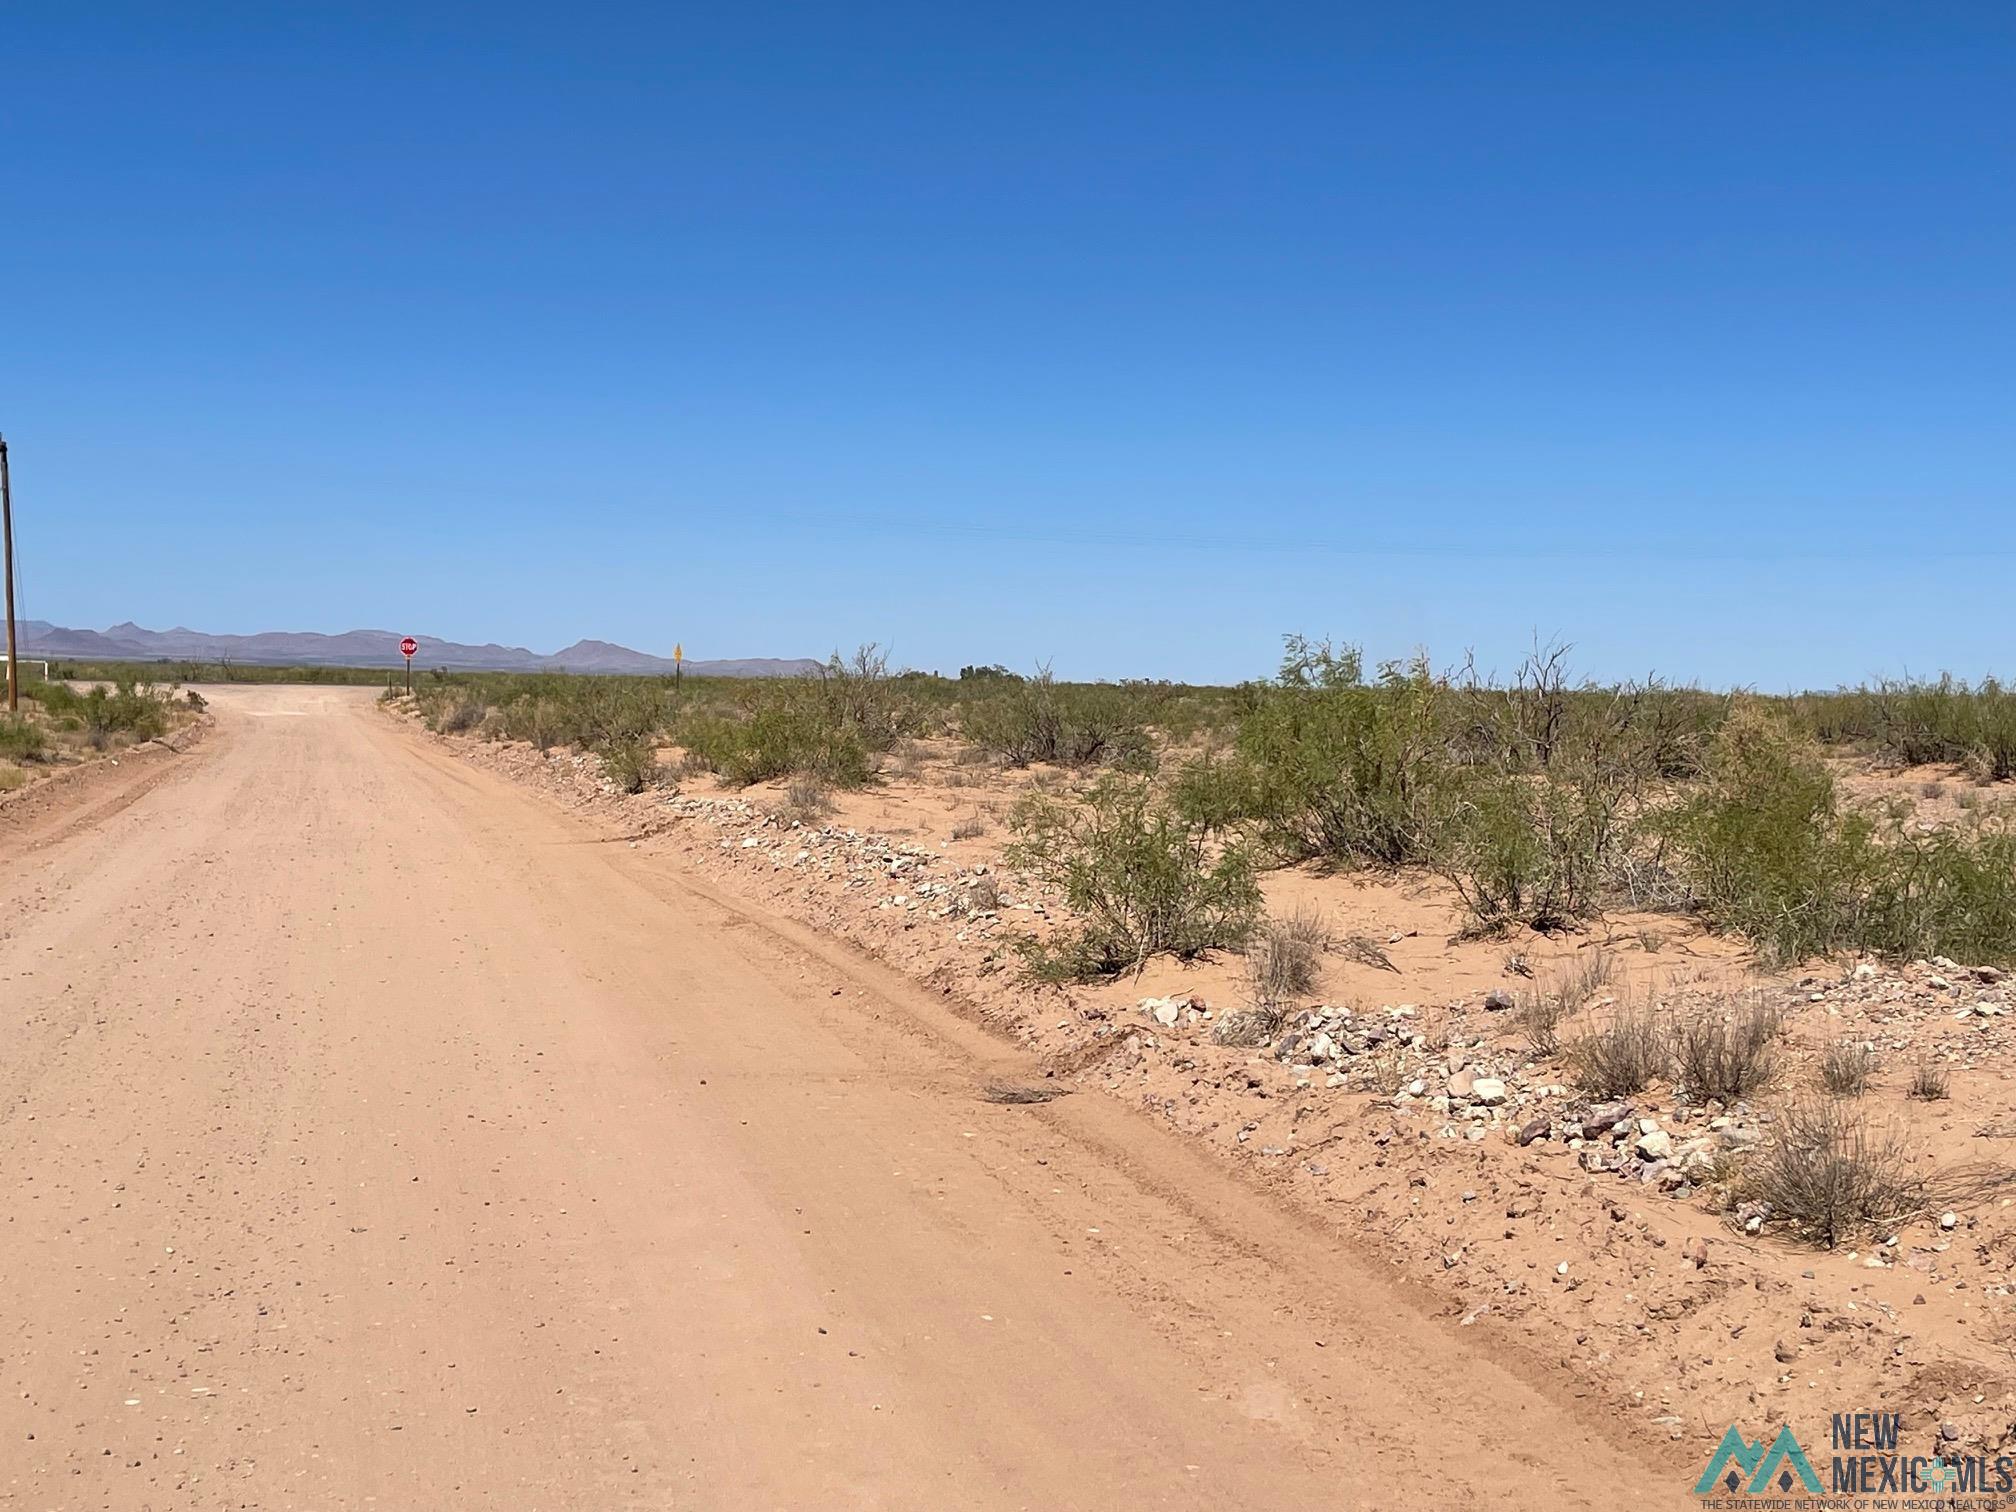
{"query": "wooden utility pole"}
[(7, 547)]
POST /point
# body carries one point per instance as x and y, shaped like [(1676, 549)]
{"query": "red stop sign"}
[(408, 646)]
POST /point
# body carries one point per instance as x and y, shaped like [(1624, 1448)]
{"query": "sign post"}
[(7, 536), (406, 649)]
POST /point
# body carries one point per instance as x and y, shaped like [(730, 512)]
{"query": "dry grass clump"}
[(806, 801), (1251, 1028), (1929, 1083), (1543, 1010), (1012, 1093), (1727, 1055), (1625, 1054), (972, 827), (460, 716), (1366, 951), (1283, 961), (1845, 1068), (1830, 1175)]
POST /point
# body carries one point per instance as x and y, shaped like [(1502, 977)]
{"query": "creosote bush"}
[(1030, 719), (1771, 852), (630, 764), (1142, 881)]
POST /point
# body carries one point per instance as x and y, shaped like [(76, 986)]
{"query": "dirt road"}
[(372, 1135)]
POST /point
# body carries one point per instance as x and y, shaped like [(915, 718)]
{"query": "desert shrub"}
[(1949, 721), (1625, 1054), (776, 742), (971, 827), (1914, 722), (1339, 767), (1142, 881), (1830, 1175), (832, 725), (22, 739), (1845, 1068), (1950, 891), (1929, 1083), (1284, 956), (1726, 1055), (858, 695), (12, 777), (540, 721), (1037, 718), (103, 711), (457, 715), (194, 700), (1770, 853), (630, 764), (1219, 793), (1536, 850), (1760, 843)]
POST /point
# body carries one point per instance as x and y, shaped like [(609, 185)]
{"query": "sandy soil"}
[(1604, 1259), (375, 1133)]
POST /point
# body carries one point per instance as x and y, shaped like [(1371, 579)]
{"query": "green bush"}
[(103, 711), (777, 742), (1343, 769), (1920, 722), (1039, 719), (1142, 881), (1769, 851), (22, 739), (630, 764), (1536, 849)]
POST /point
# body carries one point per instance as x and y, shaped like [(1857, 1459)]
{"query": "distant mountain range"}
[(370, 648)]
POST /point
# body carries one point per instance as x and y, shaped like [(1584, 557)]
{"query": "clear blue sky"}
[(1131, 336)]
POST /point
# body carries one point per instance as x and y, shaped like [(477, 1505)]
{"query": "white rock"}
[(1657, 1145), (1489, 1091)]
